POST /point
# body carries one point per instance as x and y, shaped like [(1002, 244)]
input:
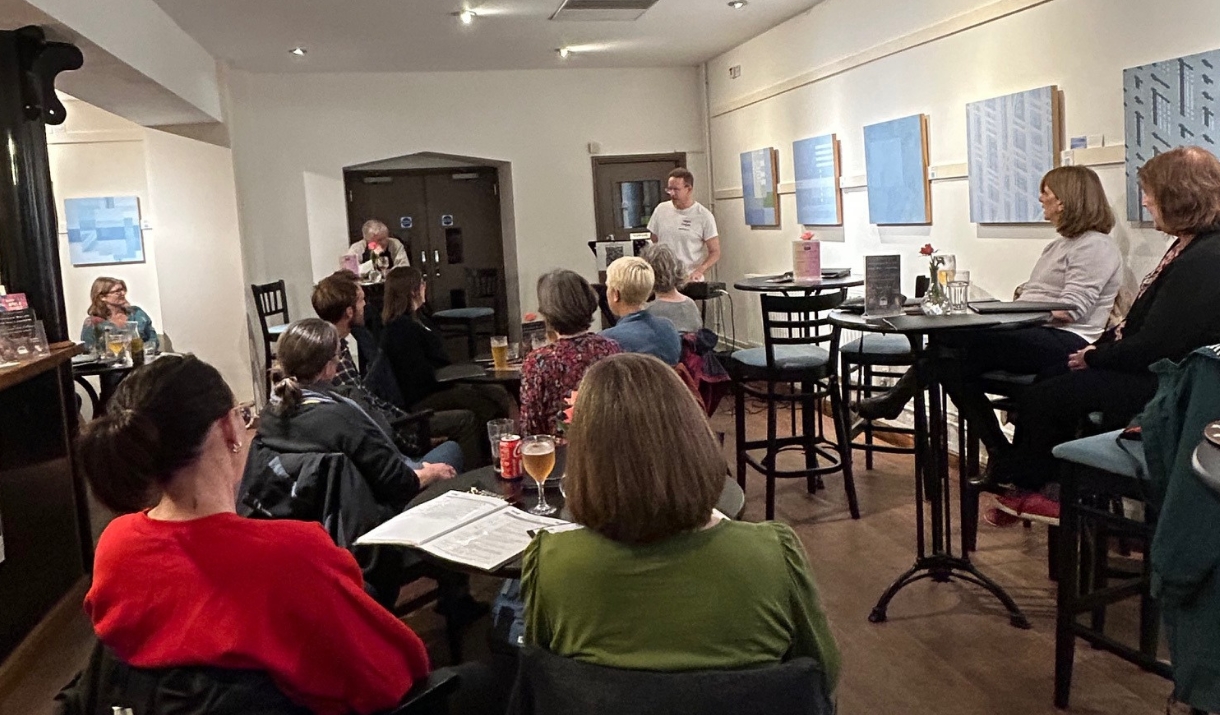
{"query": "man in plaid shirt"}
[(339, 300)]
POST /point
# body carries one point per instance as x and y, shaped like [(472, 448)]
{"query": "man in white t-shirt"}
[(686, 226)]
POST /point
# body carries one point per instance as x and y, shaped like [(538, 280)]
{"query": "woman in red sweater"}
[(181, 580)]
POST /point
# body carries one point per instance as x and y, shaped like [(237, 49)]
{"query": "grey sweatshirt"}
[(1086, 271)]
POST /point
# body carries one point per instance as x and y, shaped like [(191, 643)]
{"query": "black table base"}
[(942, 568)]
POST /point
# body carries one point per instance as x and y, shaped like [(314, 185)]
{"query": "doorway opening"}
[(454, 217)]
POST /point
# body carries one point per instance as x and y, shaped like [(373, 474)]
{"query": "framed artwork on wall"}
[(1011, 142), (759, 187), (896, 159), (819, 198), (104, 230), (1167, 105)]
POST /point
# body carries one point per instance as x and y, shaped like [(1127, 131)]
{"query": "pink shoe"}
[(1038, 507), (1000, 519)]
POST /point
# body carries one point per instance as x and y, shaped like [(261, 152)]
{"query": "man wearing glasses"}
[(686, 226)]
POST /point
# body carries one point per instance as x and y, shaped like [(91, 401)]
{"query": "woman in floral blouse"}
[(567, 303)]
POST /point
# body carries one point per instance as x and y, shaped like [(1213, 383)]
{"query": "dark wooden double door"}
[(449, 223)]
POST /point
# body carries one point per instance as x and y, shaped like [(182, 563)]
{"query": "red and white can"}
[(510, 456)]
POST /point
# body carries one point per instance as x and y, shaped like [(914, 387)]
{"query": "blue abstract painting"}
[(816, 163), (1011, 143), (896, 158), (104, 230), (758, 187), (1167, 105)]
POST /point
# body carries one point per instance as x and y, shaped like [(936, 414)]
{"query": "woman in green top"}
[(656, 581)]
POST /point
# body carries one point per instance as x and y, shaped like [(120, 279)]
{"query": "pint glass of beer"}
[(499, 351)]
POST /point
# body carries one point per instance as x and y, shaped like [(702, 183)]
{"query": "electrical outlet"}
[(734, 71)]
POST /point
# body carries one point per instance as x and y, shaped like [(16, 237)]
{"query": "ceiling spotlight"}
[(466, 16), (737, 4), (298, 51), (563, 53)]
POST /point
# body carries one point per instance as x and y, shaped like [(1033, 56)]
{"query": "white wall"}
[(95, 153), (293, 134), (191, 281), (194, 207), (949, 59)]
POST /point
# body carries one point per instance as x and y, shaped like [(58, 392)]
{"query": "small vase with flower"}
[(935, 301)]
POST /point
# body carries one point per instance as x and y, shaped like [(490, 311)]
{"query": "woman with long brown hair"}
[(415, 349), (108, 308), (657, 581)]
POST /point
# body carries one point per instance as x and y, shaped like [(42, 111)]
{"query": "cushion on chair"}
[(787, 357), (878, 344), (464, 313), (1103, 451)]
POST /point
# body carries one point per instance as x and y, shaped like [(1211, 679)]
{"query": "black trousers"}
[(1038, 351), (1051, 411)]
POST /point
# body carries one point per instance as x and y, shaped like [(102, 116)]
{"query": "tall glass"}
[(499, 351), (958, 293), (538, 459), (495, 429), (947, 270), (115, 343)]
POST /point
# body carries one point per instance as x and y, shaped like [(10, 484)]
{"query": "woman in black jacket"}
[(305, 416), (1176, 311), (415, 349)]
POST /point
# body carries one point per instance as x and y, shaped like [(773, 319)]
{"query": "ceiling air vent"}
[(601, 10)]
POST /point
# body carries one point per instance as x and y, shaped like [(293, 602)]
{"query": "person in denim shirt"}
[(629, 282), (109, 309)]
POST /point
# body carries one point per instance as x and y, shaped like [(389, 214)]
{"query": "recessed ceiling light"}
[(467, 17), (563, 53), (298, 51), (737, 4)]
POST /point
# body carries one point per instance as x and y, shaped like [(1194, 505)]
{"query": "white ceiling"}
[(425, 35)]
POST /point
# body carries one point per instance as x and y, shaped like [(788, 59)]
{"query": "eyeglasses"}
[(247, 414), (116, 291), (674, 190)]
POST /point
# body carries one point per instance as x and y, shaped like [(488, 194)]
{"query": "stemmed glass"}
[(538, 459)]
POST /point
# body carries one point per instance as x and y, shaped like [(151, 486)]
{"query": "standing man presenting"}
[(686, 226)]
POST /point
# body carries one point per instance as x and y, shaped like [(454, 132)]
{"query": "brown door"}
[(395, 199), (626, 189), (449, 222)]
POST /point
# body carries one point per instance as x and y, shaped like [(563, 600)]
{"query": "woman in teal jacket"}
[(109, 309)]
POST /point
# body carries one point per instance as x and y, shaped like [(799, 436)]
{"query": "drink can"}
[(510, 456)]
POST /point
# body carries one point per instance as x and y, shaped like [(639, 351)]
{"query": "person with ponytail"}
[(304, 416), (179, 579)]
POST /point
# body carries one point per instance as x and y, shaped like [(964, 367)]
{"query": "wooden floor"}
[(946, 649)]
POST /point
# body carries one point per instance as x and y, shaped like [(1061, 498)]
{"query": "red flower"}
[(807, 236), (927, 250), (531, 317), (374, 247)]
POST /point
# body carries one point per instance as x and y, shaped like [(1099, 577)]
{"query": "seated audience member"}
[(339, 300), (108, 308), (305, 415), (656, 581), (180, 580), (628, 284), (669, 276), (415, 349), (1082, 267), (567, 303), (1173, 314), (376, 241)]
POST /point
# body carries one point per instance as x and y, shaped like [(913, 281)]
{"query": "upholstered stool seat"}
[(787, 357)]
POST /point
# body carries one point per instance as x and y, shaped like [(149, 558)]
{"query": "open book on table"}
[(480, 531)]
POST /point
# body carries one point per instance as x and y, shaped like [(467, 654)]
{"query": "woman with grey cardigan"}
[(1082, 268), (668, 302)]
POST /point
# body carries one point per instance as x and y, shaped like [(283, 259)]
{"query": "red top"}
[(274, 596), (551, 372)]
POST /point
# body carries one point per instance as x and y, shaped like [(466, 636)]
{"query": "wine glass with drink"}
[(538, 459)]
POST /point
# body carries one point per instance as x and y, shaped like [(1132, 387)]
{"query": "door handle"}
[(423, 258), (436, 256)]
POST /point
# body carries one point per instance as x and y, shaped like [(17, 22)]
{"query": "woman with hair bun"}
[(181, 580)]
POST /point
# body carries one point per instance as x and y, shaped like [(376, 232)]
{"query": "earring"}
[(234, 448)]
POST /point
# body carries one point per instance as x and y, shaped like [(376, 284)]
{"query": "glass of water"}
[(958, 292)]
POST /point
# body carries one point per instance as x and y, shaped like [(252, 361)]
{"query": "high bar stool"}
[(800, 347), (864, 356)]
